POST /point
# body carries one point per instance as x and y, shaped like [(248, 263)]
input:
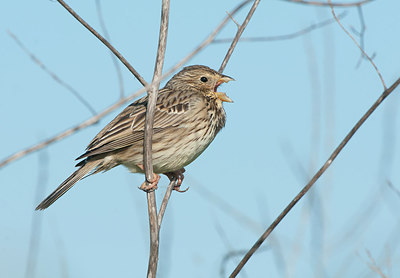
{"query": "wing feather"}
[(128, 127)]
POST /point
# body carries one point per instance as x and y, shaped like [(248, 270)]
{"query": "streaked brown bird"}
[(188, 116)]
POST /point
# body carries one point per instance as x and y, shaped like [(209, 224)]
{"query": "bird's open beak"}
[(223, 96)]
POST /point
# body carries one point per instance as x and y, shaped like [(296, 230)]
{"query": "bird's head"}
[(200, 78)]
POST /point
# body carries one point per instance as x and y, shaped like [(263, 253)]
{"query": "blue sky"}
[(294, 101)]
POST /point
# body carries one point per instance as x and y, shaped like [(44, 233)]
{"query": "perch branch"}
[(147, 146)]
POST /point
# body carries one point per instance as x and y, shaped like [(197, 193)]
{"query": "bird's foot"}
[(178, 176), (151, 185)]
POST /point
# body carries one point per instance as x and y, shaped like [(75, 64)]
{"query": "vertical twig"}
[(148, 133), (154, 235)]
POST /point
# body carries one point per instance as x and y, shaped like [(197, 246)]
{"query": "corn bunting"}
[(188, 116)]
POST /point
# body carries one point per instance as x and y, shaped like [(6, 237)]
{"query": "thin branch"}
[(361, 49), (234, 21), (123, 101), (147, 146), (315, 177), (154, 235), (153, 91), (293, 35), (325, 4), (52, 74), (104, 41), (238, 35), (164, 203), (113, 58)]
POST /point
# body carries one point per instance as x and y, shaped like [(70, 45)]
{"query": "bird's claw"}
[(177, 188), (178, 176), (150, 186)]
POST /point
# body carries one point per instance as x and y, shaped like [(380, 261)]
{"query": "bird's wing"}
[(128, 127)]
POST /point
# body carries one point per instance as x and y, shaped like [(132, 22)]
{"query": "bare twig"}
[(238, 35), (315, 3), (231, 17), (104, 41), (358, 45), (52, 74), (315, 177), (154, 235), (153, 91), (164, 203), (113, 58), (147, 146), (293, 35), (121, 102)]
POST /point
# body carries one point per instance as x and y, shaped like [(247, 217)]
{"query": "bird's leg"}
[(178, 175), (149, 186)]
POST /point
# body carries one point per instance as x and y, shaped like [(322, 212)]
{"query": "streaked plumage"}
[(188, 116)]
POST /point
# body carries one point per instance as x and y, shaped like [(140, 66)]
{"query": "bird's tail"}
[(68, 183)]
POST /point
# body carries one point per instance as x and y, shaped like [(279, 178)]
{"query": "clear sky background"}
[(295, 100)]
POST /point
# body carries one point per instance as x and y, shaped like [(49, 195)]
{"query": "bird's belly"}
[(172, 157), (175, 150)]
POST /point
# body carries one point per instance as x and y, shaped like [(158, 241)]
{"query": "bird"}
[(188, 115)]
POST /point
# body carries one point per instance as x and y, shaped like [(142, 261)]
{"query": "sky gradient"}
[(295, 99)]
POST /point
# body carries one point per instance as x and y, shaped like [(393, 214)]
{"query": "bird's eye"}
[(204, 79)]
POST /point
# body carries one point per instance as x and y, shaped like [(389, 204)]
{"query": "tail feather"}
[(67, 184)]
